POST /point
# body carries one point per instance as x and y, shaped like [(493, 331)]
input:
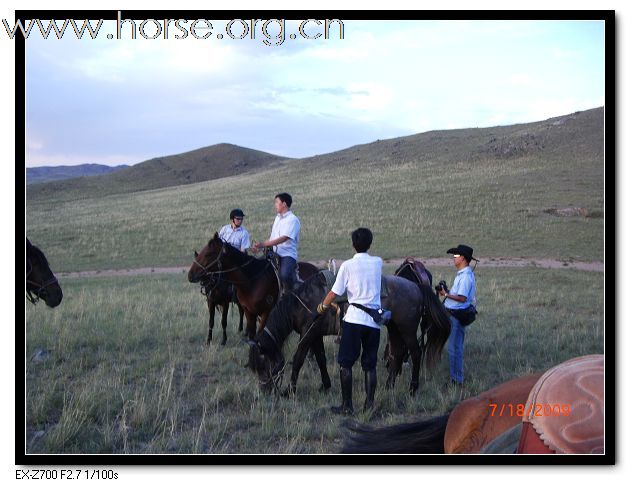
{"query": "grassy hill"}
[(36, 175), (506, 191), (207, 163)]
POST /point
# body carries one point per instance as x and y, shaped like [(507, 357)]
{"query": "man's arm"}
[(451, 296)]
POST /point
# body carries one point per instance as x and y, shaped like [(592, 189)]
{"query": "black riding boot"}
[(370, 388), (345, 375)]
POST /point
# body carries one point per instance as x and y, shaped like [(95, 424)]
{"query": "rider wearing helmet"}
[(234, 233)]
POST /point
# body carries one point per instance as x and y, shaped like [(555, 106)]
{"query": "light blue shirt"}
[(361, 278), (288, 225), (238, 238), (464, 285)]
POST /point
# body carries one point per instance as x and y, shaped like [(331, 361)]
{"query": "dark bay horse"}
[(219, 294), (558, 411), (41, 283), (407, 302), (255, 280)]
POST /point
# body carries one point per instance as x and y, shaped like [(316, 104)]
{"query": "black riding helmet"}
[(236, 213)]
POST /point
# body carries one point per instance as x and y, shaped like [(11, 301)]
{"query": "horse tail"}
[(420, 437), (439, 326)]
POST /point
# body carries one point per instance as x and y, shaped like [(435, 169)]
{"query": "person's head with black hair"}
[(283, 202), (361, 239)]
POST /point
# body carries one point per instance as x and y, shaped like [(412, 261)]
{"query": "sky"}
[(123, 101)]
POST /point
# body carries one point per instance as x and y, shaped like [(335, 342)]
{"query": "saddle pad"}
[(566, 406)]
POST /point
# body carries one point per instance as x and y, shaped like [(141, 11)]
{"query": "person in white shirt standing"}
[(234, 233), (361, 278), (285, 236)]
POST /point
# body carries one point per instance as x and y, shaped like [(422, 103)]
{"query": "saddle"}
[(419, 271), (565, 409)]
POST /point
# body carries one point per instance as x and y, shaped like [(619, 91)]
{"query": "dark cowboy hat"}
[(465, 251), (236, 213)]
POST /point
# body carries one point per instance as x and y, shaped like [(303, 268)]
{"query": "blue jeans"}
[(287, 271), (456, 350)]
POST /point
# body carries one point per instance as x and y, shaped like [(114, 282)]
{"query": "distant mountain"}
[(36, 175), (213, 162)]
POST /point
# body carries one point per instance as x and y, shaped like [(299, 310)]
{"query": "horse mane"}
[(246, 261), (279, 322)]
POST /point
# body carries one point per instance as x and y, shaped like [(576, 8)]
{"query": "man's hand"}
[(321, 308)]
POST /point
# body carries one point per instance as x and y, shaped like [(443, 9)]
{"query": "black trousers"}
[(353, 338)]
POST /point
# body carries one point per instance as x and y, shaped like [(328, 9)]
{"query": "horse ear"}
[(196, 254)]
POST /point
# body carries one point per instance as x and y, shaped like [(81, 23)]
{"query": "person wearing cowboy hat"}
[(460, 297), (234, 233)]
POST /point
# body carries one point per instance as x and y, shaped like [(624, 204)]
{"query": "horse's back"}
[(475, 422)]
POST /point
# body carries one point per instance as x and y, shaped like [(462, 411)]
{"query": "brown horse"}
[(256, 280), (40, 280), (219, 294), (559, 411)]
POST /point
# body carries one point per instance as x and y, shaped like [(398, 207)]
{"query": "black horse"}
[(294, 311), (219, 294), (407, 302), (41, 283)]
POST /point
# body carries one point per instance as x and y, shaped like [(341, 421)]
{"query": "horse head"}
[(208, 260), (41, 283), (266, 360)]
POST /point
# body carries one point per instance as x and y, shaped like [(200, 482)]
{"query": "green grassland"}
[(127, 370), (490, 188)]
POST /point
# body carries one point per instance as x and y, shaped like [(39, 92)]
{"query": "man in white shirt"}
[(234, 233), (361, 278), (285, 236)]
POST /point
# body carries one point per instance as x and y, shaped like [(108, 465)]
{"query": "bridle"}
[(39, 287), (208, 273)]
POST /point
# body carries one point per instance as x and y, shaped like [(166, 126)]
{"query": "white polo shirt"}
[(288, 225), (238, 238), (361, 277)]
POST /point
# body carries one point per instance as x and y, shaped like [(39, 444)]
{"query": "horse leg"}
[(320, 356), (240, 317), (298, 361), (224, 314), (397, 349), (251, 325), (414, 349), (210, 321)]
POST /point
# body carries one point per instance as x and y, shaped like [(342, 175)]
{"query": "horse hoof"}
[(324, 389), (223, 342)]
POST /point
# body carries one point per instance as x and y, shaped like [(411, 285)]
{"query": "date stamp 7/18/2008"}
[(521, 410)]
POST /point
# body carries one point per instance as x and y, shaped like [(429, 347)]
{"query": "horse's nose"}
[(192, 277), (53, 298)]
